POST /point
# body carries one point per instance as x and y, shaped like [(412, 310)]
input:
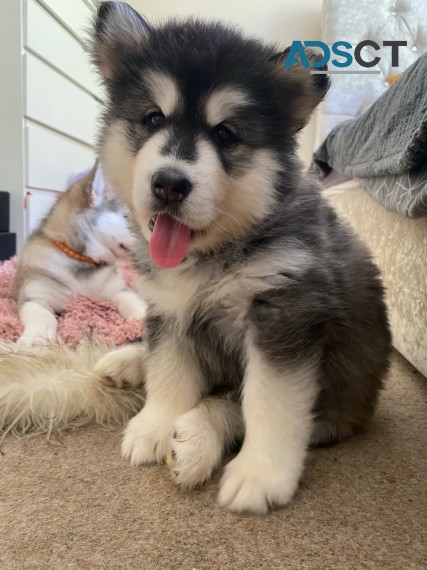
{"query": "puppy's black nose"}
[(170, 186)]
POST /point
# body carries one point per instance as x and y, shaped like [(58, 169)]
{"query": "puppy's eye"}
[(224, 135), (154, 120)]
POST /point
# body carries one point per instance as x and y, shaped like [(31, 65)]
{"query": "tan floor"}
[(361, 505)]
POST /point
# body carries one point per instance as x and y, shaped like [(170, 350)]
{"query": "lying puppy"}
[(254, 287), (74, 251)]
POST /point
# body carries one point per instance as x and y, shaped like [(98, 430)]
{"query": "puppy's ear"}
[(88, 187), (304, 90), (118, 34), (96, 187)]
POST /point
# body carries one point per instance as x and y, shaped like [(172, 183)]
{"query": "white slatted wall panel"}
[(61, 100)]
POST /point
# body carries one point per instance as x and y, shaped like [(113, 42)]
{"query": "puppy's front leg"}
[(173, 386), (39, 322), (277, 404)]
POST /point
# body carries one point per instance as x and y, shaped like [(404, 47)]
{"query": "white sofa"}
[(398, 244)]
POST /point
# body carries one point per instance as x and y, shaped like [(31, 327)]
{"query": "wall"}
[(276, 20), (45, 73), (11, 110)]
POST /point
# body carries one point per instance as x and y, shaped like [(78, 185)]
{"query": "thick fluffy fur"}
[(50, 389), (275, 299), (91, 222)]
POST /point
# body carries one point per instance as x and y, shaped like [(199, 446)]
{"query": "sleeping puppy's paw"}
[(30, 339), (26, 342), (255, 483), (130, 305), (196, 449), (122, 368), (147, 439)]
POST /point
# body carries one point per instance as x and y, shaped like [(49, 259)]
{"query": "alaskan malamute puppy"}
[(260, 300), (74, 251)]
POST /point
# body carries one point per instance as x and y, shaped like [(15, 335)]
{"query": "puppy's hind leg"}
[(40, 324), (201, 437), (129, 305)]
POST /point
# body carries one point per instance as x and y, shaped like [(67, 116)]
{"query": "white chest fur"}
[(176, 293)]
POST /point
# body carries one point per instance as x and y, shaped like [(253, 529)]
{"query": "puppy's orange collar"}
[(75, 254)]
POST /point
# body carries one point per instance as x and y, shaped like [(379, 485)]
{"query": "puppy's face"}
[(101, 218), (200, 126)]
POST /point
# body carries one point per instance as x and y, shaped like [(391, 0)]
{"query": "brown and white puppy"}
[(260, 301), (74, 251)]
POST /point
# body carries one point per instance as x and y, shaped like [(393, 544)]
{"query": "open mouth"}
[(169, 241), (152, 223)]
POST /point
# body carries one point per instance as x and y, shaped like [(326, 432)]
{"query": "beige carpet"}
[(361, 504)]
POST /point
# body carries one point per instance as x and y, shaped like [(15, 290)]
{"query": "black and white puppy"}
[(266, 320)]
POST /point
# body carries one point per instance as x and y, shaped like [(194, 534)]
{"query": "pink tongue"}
[(169, 241)]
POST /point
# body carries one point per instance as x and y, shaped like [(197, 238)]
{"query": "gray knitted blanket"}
[(386, 147)]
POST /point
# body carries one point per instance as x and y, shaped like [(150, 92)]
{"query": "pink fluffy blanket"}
[(83, 316)]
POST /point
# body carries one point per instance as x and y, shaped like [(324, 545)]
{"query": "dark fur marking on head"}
[(181, 144)]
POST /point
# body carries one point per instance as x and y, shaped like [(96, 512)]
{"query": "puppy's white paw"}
[(30, 339), (136, 311), (253, 484), (196, 449), (130, 305), (147, 439), (122, 368)]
